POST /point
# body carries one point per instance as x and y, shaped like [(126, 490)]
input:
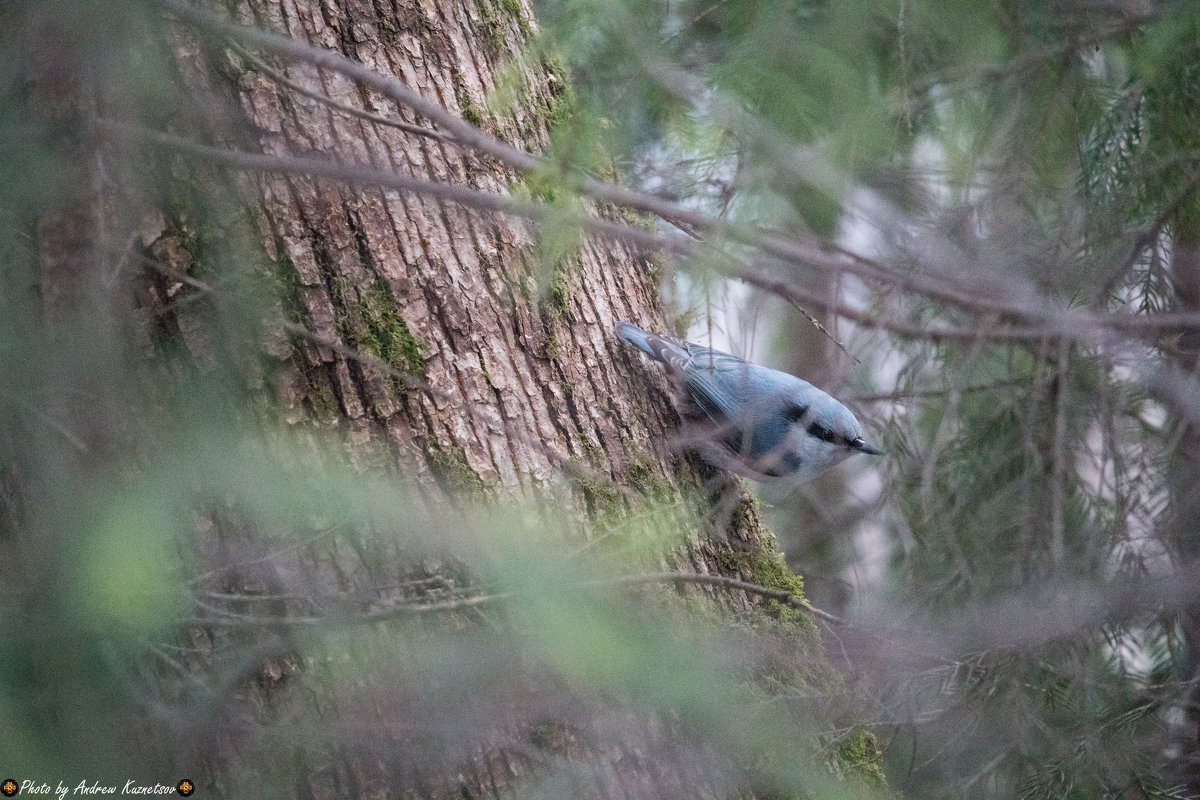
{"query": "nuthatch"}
[(761, 422)]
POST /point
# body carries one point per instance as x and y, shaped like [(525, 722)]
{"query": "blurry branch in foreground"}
[(1059, 324), (1043, 319), (229, 619)]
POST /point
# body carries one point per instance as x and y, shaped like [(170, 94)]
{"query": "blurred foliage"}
[(193, 586), (1042, 154), (198, 584)]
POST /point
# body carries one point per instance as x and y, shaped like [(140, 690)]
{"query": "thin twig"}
[(236, 620), (899, 396), (816, 323), (231, 619), (1058, 454), (363, 175), (1071, 324), (171, 272), (782, 595), (1064, 323), (1148, 236), (283, 80), (813, 252), (54, 424)]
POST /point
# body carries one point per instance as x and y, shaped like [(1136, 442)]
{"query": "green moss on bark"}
[(372, 323), (288, 287), (388, 333), (555, 306), (499, 17), (765, 566), (470, 112), (454, 474), (559, 106), (558, 291), (642, 475), (601, 497)]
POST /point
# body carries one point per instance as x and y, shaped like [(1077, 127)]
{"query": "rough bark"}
[(530, 393), (437, 290), (526, 374)]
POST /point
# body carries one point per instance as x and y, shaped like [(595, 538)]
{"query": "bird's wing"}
[(738, 396), (715, 381)]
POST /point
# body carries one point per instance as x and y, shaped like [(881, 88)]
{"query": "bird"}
[(762, 423)]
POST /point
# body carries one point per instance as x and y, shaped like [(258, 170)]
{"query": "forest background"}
[(322, 474)]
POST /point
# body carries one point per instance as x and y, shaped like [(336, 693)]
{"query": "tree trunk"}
[(516, 387), (526, 374), (528, 394)]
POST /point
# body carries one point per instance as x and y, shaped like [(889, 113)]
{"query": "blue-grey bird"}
[(761, 422)]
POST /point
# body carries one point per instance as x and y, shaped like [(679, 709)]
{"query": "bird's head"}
[(822, 433)]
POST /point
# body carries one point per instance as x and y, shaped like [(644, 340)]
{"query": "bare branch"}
[(813, 253), (230, 619), (1078, 325), (899, 396), (283, 80), (370, 176)]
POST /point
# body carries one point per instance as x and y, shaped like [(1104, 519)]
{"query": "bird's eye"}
[(822, 433)]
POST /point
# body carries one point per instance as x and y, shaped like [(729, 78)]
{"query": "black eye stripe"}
[(824, 434), (798, 413)]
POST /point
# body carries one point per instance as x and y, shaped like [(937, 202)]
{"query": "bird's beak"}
[(862, 447)]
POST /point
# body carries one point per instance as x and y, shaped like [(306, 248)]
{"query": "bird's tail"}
[(631, 334), (671, 352)]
